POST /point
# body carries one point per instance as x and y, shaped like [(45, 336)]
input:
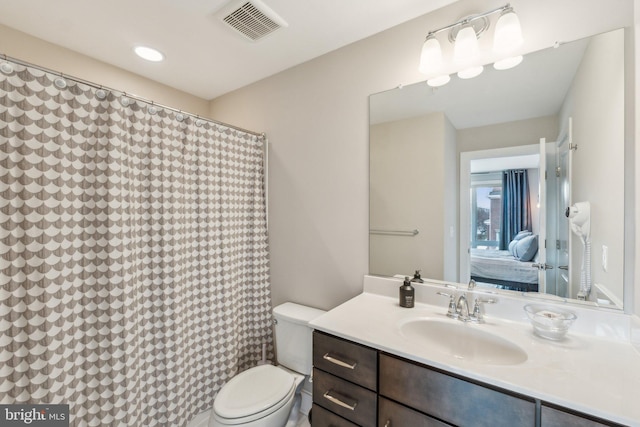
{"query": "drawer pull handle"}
[(339, 362), (327, 395), (388, 423)]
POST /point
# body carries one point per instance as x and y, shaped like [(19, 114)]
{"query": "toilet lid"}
[(253, 391)]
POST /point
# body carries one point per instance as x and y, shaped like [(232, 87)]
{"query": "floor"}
[(299, 420), (302, 421)]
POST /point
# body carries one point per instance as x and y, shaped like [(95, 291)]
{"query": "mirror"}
[(438, 161)]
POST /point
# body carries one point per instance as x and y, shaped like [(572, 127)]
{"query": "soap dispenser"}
[(407, 294), (417, 278)]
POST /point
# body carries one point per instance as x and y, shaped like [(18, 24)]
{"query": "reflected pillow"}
[(522, 235), (512, 245), (526, 248)]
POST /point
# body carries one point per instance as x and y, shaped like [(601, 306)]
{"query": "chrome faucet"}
[(453, 311), (477, 315), (462, 308), (459, 309)]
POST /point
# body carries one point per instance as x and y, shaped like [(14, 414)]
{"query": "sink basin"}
[(464, 341)]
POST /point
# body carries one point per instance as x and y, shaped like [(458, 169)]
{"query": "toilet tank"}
[(293, 336)]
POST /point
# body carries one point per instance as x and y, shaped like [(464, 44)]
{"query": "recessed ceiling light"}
[(148, 53)]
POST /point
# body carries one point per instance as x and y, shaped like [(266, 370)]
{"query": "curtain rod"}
[(139, 98)]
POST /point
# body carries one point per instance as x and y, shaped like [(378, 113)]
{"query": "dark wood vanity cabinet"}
[(345, 382), (322, 417), (350, 361), (551, 416), (354, 385), (451, 399), (392, 414)]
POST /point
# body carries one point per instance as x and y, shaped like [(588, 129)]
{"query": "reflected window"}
[(486, 210)]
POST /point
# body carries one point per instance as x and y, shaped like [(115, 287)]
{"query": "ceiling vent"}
[(253, 19)]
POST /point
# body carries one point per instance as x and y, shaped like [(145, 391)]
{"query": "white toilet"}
[(264, 395)]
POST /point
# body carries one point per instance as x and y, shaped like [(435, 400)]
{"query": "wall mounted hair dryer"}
[(580, 219)]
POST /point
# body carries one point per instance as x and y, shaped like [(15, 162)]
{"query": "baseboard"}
[(307, 402), (635, 332)]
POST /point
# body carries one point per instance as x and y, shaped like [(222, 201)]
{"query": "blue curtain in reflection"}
[(516, 205)]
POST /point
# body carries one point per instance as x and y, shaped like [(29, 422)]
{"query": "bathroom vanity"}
[(377, 364)]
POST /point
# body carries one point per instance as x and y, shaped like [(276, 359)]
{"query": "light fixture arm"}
[(469, 19), (464, 35)]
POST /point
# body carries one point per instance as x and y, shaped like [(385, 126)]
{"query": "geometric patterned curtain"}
[(134, 272)]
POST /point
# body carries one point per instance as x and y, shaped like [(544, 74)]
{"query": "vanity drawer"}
[(552, 417), (355, 403), (452, 399), (323, 418), (348, 360), (391, 414)]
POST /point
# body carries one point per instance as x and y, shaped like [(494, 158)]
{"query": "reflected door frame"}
[(466, 158), (564, 155)]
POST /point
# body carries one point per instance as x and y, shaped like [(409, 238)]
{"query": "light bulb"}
[(505, 64), (431, 56), (439, 81), (508, 34), (466, 50), (471, 72)]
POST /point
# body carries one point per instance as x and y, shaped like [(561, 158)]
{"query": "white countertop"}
[(590, 374)]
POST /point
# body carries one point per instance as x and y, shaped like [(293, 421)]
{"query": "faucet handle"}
[(472, 284), (452, 311), (477, 312)]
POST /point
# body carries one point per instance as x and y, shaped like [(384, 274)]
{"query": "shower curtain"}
[(134, 260)]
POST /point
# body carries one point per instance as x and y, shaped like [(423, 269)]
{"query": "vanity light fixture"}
[(148, 53), (466, 52), (431, 62), (464, 35), (439, 81), (505, 64), (431, 57), (508, 34)]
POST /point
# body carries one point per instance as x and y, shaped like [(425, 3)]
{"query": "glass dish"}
[(549, 322)]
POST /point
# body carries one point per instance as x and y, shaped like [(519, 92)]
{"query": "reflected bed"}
[(503, 270)]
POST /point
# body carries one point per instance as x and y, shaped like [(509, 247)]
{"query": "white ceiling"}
[(204, 57)]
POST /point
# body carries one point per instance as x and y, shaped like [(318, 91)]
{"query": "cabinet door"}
[(345, 359), (320, 417), (391, 414), (452, 399), (350, 401), (552, 417)]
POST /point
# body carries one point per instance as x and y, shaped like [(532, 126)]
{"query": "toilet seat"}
[(253, 394)]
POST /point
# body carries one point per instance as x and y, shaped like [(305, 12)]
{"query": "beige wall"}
[(516, 133), (37, 51), (595, 103), (450, 187), (316, 118), (632, 156), (407, 192)]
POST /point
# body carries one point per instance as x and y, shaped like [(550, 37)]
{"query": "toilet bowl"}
[(263, 396), (259, 397)]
